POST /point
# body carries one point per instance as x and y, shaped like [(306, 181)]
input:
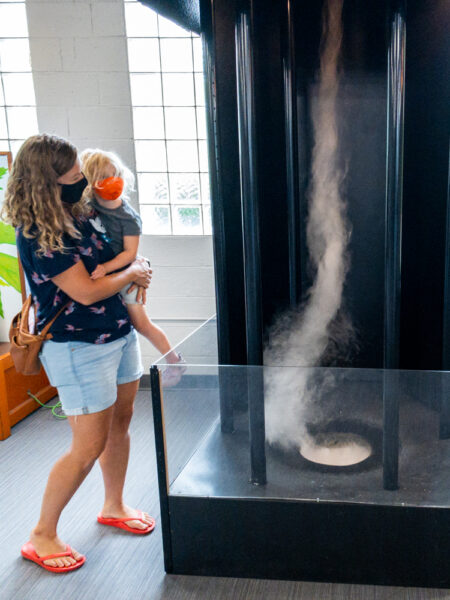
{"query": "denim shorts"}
[(86, 375)]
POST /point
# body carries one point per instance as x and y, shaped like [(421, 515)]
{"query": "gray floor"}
[(120, 566)]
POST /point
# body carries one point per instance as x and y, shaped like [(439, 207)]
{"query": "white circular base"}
[(336, 449)]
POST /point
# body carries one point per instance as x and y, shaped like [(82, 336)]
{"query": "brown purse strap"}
[(43, 333)]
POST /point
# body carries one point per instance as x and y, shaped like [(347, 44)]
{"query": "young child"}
[(109, 182)]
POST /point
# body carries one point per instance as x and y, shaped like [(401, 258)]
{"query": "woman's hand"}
[(143, 273), (141, 296)]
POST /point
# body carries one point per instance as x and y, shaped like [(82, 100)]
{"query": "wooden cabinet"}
[(15, 403)]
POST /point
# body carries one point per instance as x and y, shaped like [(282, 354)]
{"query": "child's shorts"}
[(87, 375), (129, 298)]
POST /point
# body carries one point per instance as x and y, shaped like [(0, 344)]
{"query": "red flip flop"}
[(29, 553), (121, 524)]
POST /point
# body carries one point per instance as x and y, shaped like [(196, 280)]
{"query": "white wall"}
[(80, 70)]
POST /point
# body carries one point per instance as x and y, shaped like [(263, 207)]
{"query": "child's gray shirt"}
[(118, 222)]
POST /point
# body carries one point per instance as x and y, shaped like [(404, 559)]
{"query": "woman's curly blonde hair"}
[(33, 195)]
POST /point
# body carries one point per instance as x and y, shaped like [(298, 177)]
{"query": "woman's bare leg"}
[(89, 435), (114, 458), (155, 335)]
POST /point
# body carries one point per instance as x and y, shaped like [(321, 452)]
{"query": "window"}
[(166, 80), (18, 118)]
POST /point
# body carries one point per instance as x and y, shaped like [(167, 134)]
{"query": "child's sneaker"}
[(173, 373)]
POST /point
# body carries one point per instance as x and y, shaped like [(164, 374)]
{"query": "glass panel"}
[(143, 55), (201, 122), (199, 89), (146, 89), (155, 220), (178, 89), (203, 153), (2, 99), (176, 55), (148, 123), (187, 220), (153, 188), (13, 20), (15, 146), (150, 156), (206, 193), (3, 127), (180, 123), (141, 21), (4, 146), (184, 188), (15, 55), (19, 89), (182, 156), (22, 122), (198, 54), (168, 28), (207, 224)]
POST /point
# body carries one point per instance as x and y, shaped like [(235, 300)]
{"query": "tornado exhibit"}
[(317, 442)]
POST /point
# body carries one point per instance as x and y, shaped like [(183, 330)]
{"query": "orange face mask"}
[(110, 188)]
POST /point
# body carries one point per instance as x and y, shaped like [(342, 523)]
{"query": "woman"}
[(93, 358)]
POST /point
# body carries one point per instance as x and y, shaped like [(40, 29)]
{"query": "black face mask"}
[(71, 194)]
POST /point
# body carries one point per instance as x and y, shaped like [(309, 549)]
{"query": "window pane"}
[(198, 54), (180, 123), (203, 154), (184, 188), (199, 89), (15, 55), (201, 122), (4, 146), (207, 225), (15, 145), (2, 99), (178, 89), (155, 220), (187, 220), (150, 156), (141, 21), (3, 128), (143, 55), (206, 194), (182, 156), (153, 188), (148, 123), (13, 20), (176, 55), (169, 29), (22, 122), (146, 89), (19, 89)]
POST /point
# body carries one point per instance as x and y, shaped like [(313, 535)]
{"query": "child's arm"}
[(130, 247)]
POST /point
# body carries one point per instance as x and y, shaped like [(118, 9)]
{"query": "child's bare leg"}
[(155, 335)]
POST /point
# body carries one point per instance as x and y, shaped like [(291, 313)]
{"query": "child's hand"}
[(98, 272)]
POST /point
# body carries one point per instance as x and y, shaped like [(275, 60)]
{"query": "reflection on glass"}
[(180, 123), (15, 55), (146, 89), (176, 55), (206, 194), (169, 29), (207, 225), (182, 156), (13, 20), (203, 153), (178, 89), (155, 220), (201, 122), (140, 21), (198, 54), (184, 188), (199, 89), (19, 89), (148, 123), (143, 55), (150, 156), (22, 122), (153, 188), (187, 220)]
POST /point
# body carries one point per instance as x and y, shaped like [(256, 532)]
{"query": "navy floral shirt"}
[(99, 323)]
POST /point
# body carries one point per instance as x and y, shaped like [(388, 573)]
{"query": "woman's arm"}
[(130, 245), (77, 284)]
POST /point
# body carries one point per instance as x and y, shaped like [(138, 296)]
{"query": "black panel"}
[(185, 13), (310, 541)]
